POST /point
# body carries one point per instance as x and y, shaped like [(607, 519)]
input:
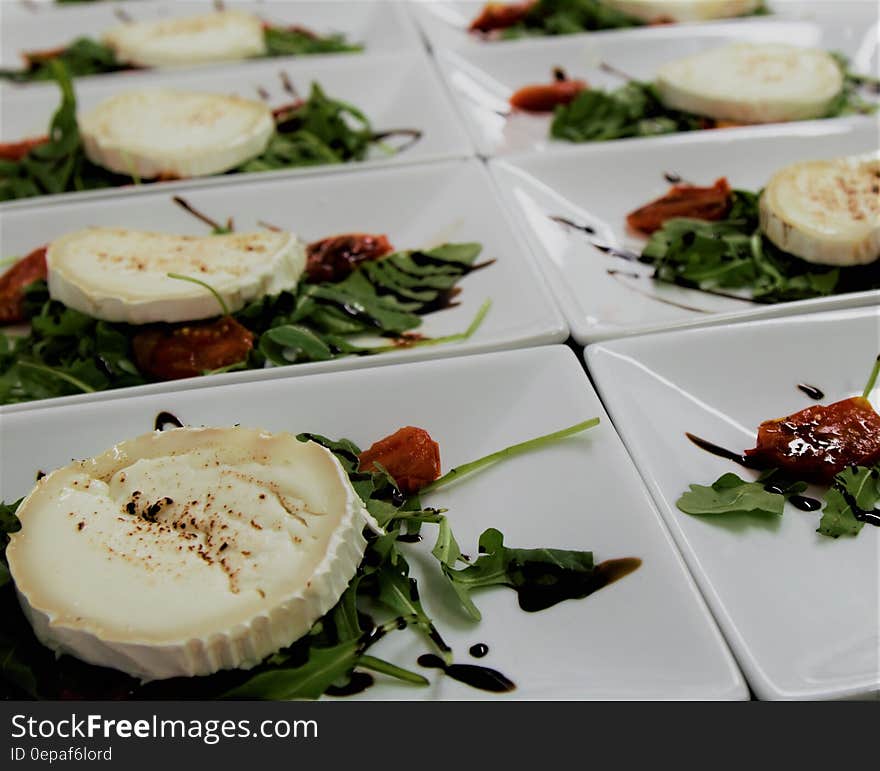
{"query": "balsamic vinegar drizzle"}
[(413, 135), (470, 674), (165, 420), (801, 502), (630, 256), (811, 391), (478, 650), (617, 274)]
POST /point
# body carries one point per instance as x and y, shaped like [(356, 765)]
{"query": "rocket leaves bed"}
[(334, 657)]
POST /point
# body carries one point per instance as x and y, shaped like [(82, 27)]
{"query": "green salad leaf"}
[(67, 352), (541, 577), (636, 110), (852, 499), (297, 41), (733, 254), (731, 495), (568, 17), (330, 657), (84, 56)]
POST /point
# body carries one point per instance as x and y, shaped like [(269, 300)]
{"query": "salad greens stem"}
[(387, 668), (460, 336), (508, 452), (223, 306), (872, 380), (75, 382)]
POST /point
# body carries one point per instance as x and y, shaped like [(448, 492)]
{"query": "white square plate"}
[(381, 26), (394, 92), (646, 636), (483, 79), (416, 206), (800, 610), (598, 185), (444, 23)]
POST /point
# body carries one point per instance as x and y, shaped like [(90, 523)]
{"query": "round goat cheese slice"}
[(221, 36), (188, 551), (170, 134), (117, 274), (684, 10), (752, 83), (825, 211)]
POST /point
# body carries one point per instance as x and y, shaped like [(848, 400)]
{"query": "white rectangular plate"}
[(444, 23), (379, 25), (598, 185), (394, 91), (646, 636), (417, 207), (800, 610), (483, 79)]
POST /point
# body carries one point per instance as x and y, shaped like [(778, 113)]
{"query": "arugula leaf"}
[(84, 56), (283, 41), (852, 499), (731, 495), (318, 130), (324, 667), (568, 17), (8, 524), (541, 577)]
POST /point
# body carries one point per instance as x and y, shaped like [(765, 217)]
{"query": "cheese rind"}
[(184, 552), (825, 211), (752, 83), (116, 274), (221, 36), (169, 134), (684, 10)]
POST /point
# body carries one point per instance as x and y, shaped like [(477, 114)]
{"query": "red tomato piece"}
[(500, 16), (819, 442), (15, 151), (409, 455), (704, 203), (13, 281), (334, 258), (187, 350), (544, 97)]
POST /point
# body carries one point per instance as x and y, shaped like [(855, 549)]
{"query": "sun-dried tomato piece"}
[(819, 442), (13, 282), (409, 455), (703, 203), (544, 97), (334, 258), (15, 151), (187, 350), (500, 16)]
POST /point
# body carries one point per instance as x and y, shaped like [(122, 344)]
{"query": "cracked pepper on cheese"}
[(184, 552)]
